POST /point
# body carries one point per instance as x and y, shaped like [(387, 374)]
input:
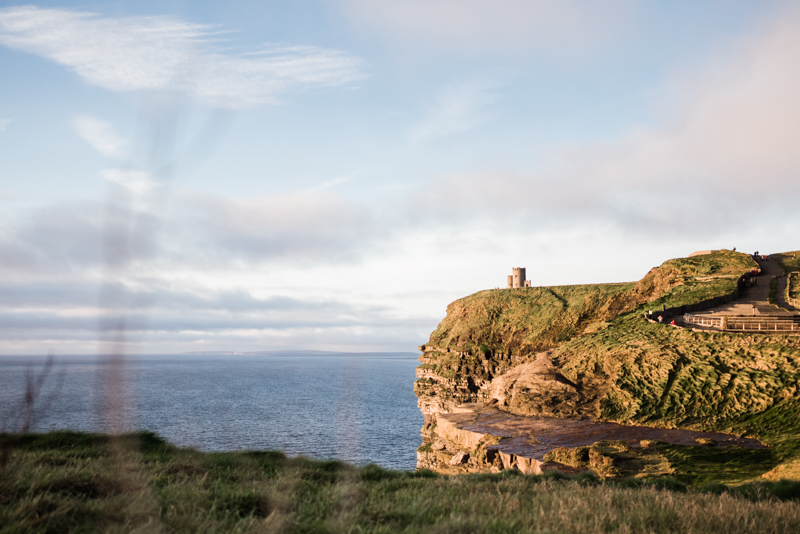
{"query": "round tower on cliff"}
[(519, 276)]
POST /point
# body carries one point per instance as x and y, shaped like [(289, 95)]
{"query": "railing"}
[(703, 320), (745, 323)]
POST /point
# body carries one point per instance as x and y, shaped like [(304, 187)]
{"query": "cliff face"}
[(586, 352), (486, 335)]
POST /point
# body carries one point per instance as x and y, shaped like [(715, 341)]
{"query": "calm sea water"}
[(360, 408)]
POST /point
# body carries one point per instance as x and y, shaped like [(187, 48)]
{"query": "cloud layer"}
[(727, 150), (73, 272), (200, 228), (558, 27), (167, 54)]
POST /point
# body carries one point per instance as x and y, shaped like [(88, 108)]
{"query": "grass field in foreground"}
[(74, 482)]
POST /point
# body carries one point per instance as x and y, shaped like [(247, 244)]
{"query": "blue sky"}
[(330, 175)]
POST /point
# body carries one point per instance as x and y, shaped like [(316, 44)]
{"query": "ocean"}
[(359, 408)]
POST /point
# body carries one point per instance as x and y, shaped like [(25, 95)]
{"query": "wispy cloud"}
[(137, 182), (165, 53), (331, 183), (458, 108), (4, 123), (101, 136)]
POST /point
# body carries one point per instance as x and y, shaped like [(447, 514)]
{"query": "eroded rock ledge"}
[(478, 438)]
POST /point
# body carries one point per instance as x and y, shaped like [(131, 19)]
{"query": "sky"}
[(248, 175)]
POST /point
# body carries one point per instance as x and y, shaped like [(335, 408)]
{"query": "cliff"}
[(587, 353)]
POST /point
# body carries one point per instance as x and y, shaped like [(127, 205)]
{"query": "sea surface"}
[(359, 408)]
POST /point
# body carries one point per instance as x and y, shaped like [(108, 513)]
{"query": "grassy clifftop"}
[(526, 320), (682, 281), (790, 261)]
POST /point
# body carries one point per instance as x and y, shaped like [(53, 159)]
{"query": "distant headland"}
[(690, 372)]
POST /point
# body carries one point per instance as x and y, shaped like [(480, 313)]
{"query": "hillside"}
[(587, 352)]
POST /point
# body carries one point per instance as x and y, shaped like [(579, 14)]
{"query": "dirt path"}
[(756, 296)]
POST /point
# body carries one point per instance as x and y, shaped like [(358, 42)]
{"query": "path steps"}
[(751, 312)]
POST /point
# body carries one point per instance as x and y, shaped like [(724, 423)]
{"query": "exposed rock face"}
[(487, 334), (538, 388), (613, 459), (478, 438)]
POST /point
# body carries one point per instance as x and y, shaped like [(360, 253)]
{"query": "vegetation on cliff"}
[(75, 482), (527, 320), (790, 261), (621, 367), (682, 281)]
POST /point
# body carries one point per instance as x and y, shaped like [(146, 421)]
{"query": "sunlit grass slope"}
[(790, 261), (526, 320), (682, 281), (674, 377), (72, 482)]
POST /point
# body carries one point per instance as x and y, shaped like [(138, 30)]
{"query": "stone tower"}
[(517, 278)]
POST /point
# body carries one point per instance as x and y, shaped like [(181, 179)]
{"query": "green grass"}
[(773, 291), (73, 482), (525, 320), (683, 281), (698, 466), (789, 261), (661, 376)]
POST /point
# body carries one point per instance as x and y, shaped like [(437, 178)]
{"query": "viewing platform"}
[(751, 312), (744, 323)]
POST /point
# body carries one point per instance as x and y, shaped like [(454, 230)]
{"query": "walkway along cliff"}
[(576, 378)]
